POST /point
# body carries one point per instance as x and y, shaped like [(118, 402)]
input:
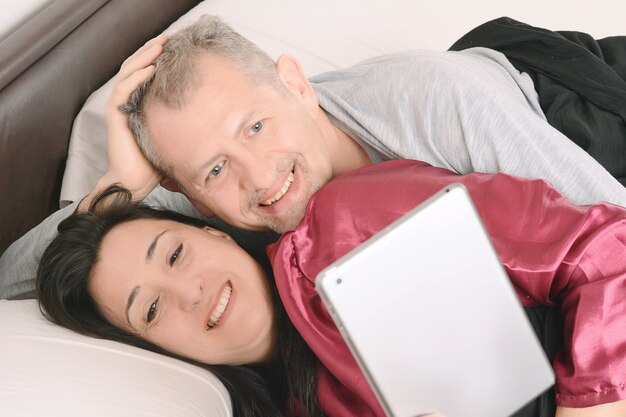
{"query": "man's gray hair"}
[(177, 73)]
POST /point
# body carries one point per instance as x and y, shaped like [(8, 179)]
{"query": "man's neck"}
[(345, 152)]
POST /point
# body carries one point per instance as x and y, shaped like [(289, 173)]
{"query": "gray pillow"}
[(18, 264)]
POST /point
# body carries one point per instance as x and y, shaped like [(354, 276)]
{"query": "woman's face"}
[(192, 291)]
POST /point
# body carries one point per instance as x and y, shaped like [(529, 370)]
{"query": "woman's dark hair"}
[(62, 279)]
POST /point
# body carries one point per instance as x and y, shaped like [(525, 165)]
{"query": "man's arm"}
[(469, 111), (507, 132)]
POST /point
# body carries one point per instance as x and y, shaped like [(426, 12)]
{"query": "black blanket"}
[(581, 82)]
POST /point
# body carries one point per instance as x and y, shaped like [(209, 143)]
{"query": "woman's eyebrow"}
[(152, 246), (129, 303), (135, 291)]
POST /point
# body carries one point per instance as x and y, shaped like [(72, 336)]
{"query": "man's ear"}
[(171, 185), (294, 79), (217, 233)]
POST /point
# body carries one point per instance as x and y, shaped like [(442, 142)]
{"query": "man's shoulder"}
[(400, 62), (411, 71)]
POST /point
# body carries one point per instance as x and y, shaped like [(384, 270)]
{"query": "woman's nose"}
[(187, 292)]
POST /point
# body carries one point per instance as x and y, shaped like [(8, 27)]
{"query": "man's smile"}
[(280, 192), (280, 196)]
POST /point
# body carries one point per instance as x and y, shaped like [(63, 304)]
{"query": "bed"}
[(54, 68)]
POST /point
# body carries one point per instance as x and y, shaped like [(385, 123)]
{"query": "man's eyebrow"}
[(129, 303), (245, 119), (152, 247)]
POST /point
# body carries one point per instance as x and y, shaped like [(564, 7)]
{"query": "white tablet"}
[(432, 318)]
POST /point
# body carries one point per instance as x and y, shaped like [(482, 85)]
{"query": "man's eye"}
[(176, 254), (152, 311), (256, 128), (216, 170)]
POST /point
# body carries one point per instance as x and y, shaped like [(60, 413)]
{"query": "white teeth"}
[(221, 306), (282, 191)]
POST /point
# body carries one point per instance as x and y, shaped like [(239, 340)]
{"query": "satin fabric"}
[(555, 253)]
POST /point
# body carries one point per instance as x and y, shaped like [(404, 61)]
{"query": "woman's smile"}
[(217, 312)]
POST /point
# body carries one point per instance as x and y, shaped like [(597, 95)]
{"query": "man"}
[(250, 140)]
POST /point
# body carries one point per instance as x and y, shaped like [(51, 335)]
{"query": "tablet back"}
[(432, 318)]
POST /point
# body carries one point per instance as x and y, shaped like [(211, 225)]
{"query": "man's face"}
[(245, 151)]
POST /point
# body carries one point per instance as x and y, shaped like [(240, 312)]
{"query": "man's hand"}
[(127, 165)]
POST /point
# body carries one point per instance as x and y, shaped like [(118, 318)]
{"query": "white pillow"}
[(48, 370)]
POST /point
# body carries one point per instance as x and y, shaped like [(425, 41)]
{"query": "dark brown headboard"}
[(48, 68)]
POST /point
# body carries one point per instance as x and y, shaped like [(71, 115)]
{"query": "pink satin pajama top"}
[(555, 253)]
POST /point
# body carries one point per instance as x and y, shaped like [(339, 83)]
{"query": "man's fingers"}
[(158, 40), (124, 88), (139, 60), (144, 56), (130, 84), (136, 69)]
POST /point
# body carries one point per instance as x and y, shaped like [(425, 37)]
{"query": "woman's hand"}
[(614, 409), (127, 165)]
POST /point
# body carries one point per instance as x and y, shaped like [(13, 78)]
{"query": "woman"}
[(193, 292), (77, 290)]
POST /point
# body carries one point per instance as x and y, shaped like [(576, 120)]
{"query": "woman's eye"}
[(176, 254), (152, 311), (216, 170), (256, 128)]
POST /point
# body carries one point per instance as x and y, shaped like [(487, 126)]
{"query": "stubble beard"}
[(294, 215)]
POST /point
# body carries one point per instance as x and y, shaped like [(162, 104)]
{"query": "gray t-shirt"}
[(466, 111)]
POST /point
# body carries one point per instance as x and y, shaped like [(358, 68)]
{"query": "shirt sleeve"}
[(469, 111), (503, 133)]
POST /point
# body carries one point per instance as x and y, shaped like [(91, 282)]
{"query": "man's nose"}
[(255, 172)]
